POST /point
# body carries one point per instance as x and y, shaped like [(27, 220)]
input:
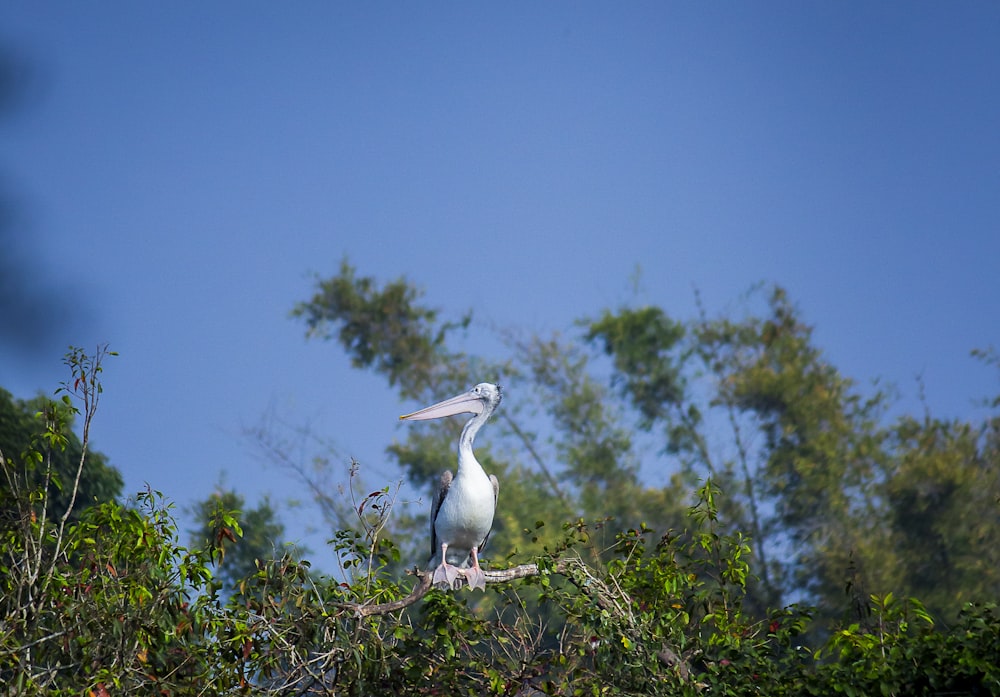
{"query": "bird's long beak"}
[(466, 403)]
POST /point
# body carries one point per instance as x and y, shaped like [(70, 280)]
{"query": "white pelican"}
[(462, 511)]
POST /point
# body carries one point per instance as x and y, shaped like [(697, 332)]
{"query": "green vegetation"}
[(689, 507)]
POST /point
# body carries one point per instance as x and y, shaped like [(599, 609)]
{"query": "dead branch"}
[(562, 566), (424, 585)]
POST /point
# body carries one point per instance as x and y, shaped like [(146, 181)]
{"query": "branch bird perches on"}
[(605, 596)]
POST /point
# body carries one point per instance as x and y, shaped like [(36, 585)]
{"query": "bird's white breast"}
[(466, 514)]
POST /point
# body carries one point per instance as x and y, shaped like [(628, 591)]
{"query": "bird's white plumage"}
[(463, 509)]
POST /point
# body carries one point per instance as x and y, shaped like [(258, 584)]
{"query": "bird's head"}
[(484, 397)]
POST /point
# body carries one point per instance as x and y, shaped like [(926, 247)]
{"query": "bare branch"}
[(424, 586), (530, 447)]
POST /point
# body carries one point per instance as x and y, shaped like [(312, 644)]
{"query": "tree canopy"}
[(626, 417), (244, 538), (688, 506)]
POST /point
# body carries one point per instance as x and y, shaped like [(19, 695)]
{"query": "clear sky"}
[(176, 173)]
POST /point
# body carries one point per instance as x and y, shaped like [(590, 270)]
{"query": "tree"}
[(801, 447), (812, 470), (944, 511), (243, 546), (23, 424), (113, 604)]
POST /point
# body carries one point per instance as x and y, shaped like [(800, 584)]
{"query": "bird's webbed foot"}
[(445, 576), (475, 578), (474, 575)]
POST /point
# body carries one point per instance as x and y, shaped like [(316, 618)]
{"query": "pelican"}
[(462, 510)]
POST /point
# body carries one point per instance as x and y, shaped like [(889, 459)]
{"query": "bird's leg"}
[(445, 574), (474, 575)]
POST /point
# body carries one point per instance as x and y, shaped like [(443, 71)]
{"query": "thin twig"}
[(530, 447)]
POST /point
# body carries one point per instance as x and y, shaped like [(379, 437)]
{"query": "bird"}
[(464, 505)]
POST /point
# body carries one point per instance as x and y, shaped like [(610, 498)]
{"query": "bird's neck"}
[(466, 458)]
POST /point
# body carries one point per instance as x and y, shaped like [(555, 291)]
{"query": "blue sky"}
[(180, 171)]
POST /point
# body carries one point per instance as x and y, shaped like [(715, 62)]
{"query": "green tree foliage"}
[(830, 492), (383, 329), (25, 422), (112, 603), (944, 510), (242, 547)]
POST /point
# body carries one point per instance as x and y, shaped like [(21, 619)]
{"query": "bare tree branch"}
[(424, 586)]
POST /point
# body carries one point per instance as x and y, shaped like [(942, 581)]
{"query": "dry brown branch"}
[(424, 585)]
